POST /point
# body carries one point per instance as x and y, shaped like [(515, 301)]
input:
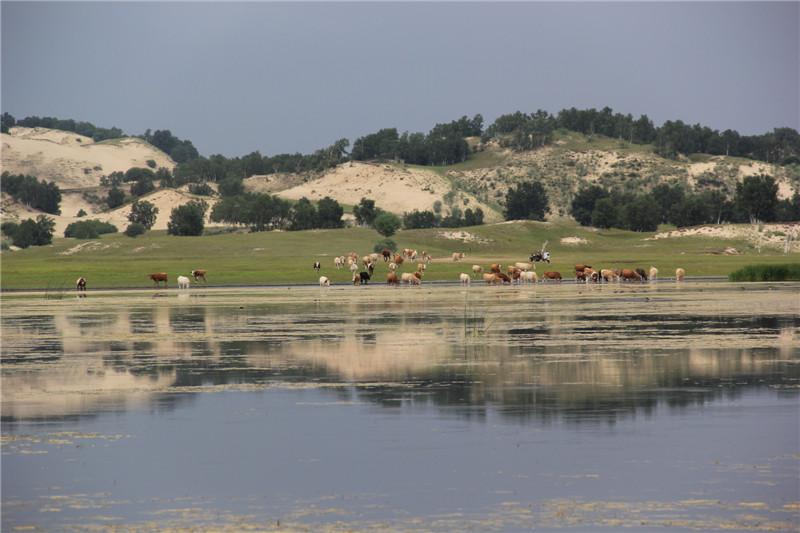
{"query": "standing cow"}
[(81, 284), (157, 278)]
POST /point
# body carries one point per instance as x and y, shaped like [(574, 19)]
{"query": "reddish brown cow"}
[(503, 277), (202, 274), (159, 277), (495, 268), (392, 279), (581, 268), (630, 275), (398, 259), (555, 276), (81, 284), (580, 276), (642, 273), (387, 254)]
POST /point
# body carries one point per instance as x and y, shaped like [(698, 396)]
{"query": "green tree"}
[(231, 187), (365, 212), (643, 214), (473, 218), (115, 198), (582, 205), (35, 233), (304, 215), (142, 186), (757, 196), (329, 214), (144, 213), (187, 219), (527, 202), (387, 224), (420, 220), (605, 213)]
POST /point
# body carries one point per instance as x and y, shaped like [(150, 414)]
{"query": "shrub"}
[(88, 229), (201, 189), (788, 272), (134, 230)]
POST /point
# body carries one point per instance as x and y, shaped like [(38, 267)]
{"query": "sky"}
[(287, 77)]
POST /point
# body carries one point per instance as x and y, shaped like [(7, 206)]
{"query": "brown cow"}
[(387, 254), (458, 256), (202, 274), (642, 273), (591, 275), (555, 276), (580, 276), (356, 279), (609, 274), (581, 268), (491, 279), (392, 279), (398, 259), (630, 275), (511, 270), (495, 268), (502, 277), (81, 284), (159, 277)]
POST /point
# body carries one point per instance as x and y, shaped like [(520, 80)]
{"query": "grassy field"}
[(115, 261)]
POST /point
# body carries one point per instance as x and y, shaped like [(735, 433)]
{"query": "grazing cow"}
[(356, 279), (642, 273), (198, 274), (417, 274), (465, 279), (581, 268), (630, 275), (457, 257), (491, 279), (316, 266), (398, 259), (607, 274), (653, 273), (580, 276), (679, 273), (158, 278), (555, 276), (410, 278), (392, 279), (476, 269), (502, 277), (591, 275), (81, 285), (324, 281), (495, 268), (365, 276), (183, 282), (387, 254)]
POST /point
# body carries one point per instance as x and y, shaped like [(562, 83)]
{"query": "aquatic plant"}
[(788, 272)]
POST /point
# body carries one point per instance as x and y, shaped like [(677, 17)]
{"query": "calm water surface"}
[(404, 409)]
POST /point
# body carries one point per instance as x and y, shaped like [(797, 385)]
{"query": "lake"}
[(375, 408)]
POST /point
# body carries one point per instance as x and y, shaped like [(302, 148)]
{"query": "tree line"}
[(36, 194)]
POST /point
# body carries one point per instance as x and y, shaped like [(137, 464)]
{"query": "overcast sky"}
[(295, 77)]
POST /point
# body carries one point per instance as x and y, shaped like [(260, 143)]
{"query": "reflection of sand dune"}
[(81, 387), (99, 354)]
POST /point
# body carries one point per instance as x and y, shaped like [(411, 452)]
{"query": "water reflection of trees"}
[(539, 363)]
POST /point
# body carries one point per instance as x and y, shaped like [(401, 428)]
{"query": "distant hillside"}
[(76, 164)]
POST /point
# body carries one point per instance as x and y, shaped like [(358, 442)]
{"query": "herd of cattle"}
[(519, 272)]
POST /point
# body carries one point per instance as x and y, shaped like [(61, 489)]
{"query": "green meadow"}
[(117, 261)]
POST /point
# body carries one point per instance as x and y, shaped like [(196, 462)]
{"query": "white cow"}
[(324, 281), (465, 279), (183, 282)]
